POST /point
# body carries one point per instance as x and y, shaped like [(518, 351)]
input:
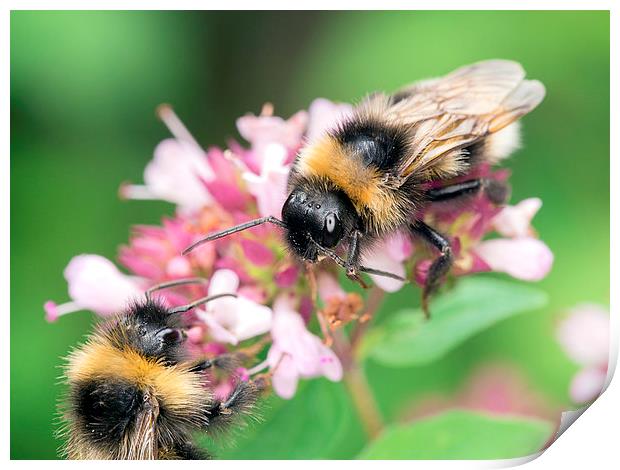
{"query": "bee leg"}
[(496, 191), (200, 365), (352, 265), (225, 362), (241, 401), (440, 267)]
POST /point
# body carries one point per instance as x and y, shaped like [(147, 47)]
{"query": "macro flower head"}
[(278, 302)]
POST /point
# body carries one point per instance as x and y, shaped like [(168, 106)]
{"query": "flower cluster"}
[(214, 189)]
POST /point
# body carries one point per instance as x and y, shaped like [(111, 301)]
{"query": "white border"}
[(590, 443)]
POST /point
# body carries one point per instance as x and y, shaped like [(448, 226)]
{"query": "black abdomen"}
[(376, 144), (107, 409)]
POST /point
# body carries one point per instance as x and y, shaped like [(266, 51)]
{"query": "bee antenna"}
[(195, 303), (238, 228), (178, 282)]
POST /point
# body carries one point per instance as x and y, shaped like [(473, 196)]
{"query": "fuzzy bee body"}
[(134, 395), (371, 174)]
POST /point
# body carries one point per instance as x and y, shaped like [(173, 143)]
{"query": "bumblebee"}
[(371, 174), (133, 393)]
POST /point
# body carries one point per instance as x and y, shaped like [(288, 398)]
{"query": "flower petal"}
[(584, 335), (381, 259), (514, 221), (179, 266), (95, 283), (252, 319), (285, 376), (227, 195), (288, 325), (329, 363), (256, 252), (233, 319), (325, 115), (527, 258), (329, 287), (51, 311), (195, 334), (269, 188), (587, 384), (399, 246), (223, 281), (216, 330), (174, 174), (287, 276), (261, 130)]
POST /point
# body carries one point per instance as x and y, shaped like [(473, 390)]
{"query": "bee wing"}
[(446, 114), (141, 443)]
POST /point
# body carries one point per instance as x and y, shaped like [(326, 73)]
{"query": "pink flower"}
[(514, 221), (266, 130), (584, 336), (173, 174), (95, 284), (229, 319), (390, 255), (155, 252), (526, 258), (176, 171), (225, 188), (325, 115), (296, 352), (269, 188), (520, 255), (257, 253), (329, 287), (287, 276)]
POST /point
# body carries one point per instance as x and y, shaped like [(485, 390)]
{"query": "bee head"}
[(152, 330), (325, 217)]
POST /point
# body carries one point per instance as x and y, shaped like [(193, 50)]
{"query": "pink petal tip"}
[(51, 312)]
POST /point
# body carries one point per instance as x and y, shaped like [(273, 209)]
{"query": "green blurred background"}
[(84, 87)]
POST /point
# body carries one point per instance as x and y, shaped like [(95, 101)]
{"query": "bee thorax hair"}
[(375, 195)]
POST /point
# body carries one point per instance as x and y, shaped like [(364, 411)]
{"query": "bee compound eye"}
[(171, 336), (330, 222)]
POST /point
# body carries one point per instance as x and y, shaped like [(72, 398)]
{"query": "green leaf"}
[(474, 305), (461, 435), (318, 423)]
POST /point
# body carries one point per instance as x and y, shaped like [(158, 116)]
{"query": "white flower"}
[(527, 258), (231, 319), (96, 284), (296, 352)]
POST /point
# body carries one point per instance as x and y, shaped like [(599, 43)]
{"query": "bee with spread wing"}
[(370, 175)]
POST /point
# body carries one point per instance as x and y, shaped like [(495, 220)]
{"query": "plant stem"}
[(354, 376), (363, 400), (375, 297)]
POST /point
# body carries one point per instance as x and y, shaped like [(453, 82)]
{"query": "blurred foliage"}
[(460, 435), (320, 423), (84, 86), (473, 306)]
